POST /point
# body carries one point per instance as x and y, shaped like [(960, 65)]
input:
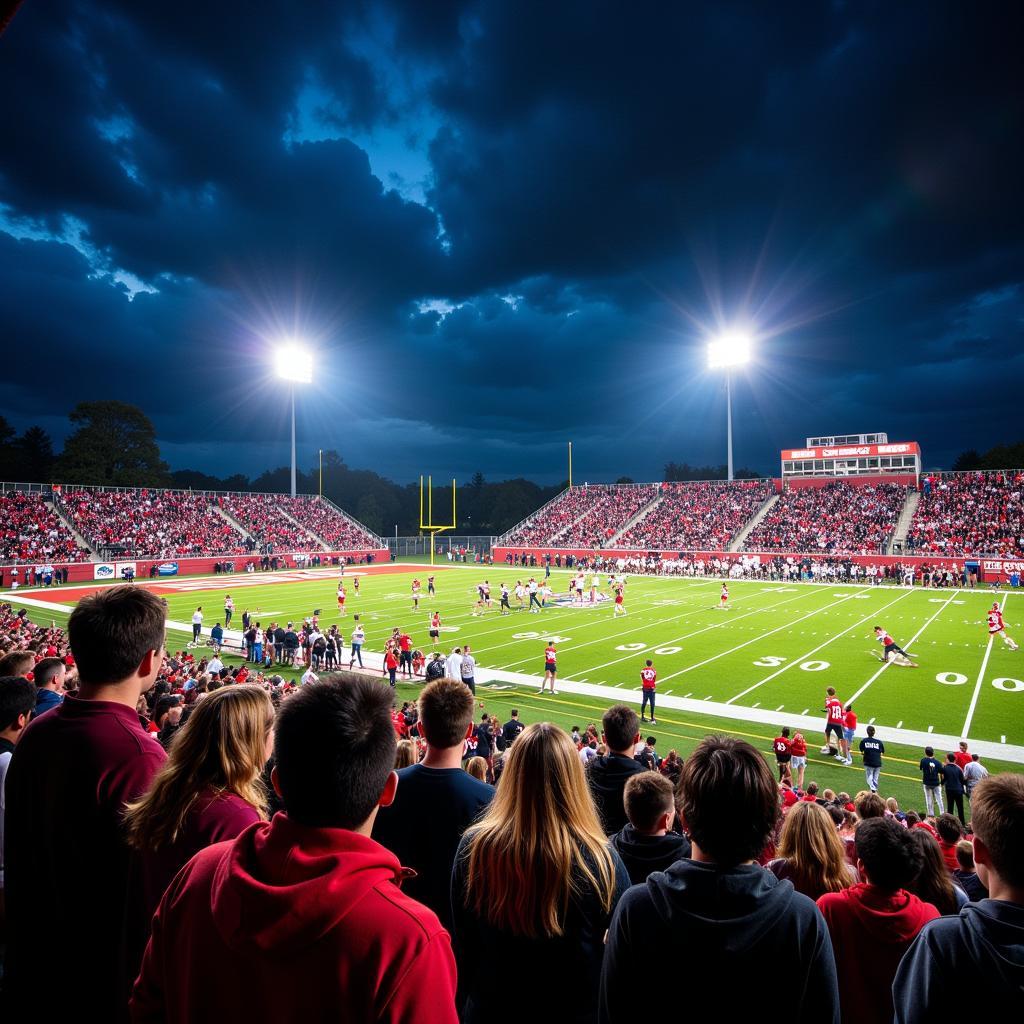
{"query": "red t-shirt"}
[(834, 710), (850, 721), (390, 659), (798, 748), (783, 746), (962, 758), (405, 642), (649, 677)]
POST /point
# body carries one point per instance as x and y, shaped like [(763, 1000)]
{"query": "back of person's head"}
[(785, 730), (871, 730), (965, 855), (932, 883), (17, 698), (112, 630), (728, 800), (446, 712), (949, 828), (540, 840), (222, 747), (997, 816), (812, 788), (47, 670), (834, 811), (813, 848), (334, 748), (17, 663), (869, 805), (892, 805), (951, 758), (621, 727), (647, 797), (405, 754), (890, 853), (929, 752), (477, 767)]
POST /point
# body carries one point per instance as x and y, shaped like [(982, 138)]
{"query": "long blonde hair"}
[(540, 841), (809, 841), (222, 747)]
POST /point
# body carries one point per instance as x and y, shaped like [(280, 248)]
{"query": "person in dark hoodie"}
[(719, 917), (873, 923), (302, 917), (646, 843), (972, 965), (607, 774)]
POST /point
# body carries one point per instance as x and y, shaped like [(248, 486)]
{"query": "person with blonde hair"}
[(406, 754), (477, 767), (810, 852), (535, 882), (208, 790)]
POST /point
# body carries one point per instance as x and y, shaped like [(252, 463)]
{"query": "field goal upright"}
[(429, 525)]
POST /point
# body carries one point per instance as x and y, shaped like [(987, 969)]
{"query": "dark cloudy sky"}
[(503, 225)]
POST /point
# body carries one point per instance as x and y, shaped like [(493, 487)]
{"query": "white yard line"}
[(630, 655), (981, 677), (804, 657), (757, 639), (605, 638), (941, 609)]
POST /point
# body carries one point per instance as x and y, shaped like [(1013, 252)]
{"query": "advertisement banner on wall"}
[(167, 569), (996, 568), (104, 571), (121, 566)]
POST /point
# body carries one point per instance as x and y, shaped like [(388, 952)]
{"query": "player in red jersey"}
[(996, 627), (648, 682), (834, 715), (890, 648), (341, 599), (783, 747), (435, 628), (620, 601), (550, 666), (724, 601)]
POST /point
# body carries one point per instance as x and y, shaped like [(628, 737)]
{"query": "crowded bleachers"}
[(263, 516), (969, 514), (330, 525), (151, 523), (838, 517), (606, 517), (30, 531), (549, 523), (701, 515)]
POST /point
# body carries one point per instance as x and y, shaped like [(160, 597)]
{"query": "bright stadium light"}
[(725, 352), (293, 363), (728, 350)]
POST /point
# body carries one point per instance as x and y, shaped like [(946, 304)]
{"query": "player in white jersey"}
[(578, 584), (996, 627), (724, 600), (520, 594), (595, 585)]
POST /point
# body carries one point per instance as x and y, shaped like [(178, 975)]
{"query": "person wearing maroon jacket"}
[(874, 923), (648, 682), (303, 917), (783, 747), (69, 780)]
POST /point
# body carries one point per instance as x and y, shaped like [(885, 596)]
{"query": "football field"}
[(763, 662)]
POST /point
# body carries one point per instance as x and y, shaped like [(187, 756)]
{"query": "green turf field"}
[(770, 655)]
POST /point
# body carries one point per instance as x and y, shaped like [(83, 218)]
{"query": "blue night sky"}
[(504, 225)]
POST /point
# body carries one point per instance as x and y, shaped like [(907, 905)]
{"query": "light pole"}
[(725, 352), (294, 364)]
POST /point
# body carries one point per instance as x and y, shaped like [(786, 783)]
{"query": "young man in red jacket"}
[(302, 917), (873, 924)]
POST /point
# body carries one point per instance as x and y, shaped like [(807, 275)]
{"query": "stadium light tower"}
[(725, 352), (294, 364)]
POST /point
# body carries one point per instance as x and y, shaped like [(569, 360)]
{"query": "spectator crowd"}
[(970, 514), (30, 531), (263, 852)]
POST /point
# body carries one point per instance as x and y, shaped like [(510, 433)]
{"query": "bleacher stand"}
[(30, 531), (327, 523), (264, 518)]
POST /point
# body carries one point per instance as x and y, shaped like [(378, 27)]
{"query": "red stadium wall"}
[(987, 565), (80, 571)]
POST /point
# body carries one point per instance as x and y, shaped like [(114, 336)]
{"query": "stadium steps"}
[(736, 544), (324, 546), (58, 510), (337, 510), (504, 538), (230, 520), (642, 514), (903, 523)]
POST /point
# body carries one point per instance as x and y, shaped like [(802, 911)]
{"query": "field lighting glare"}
[(728, 350), (295, 363)]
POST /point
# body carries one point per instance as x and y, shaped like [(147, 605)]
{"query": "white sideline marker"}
[(871, 721), (805, 710), (931, 728), (780, 707), (899, 724), (1002, 739)]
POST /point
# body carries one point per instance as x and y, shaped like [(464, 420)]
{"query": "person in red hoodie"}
[(303, 917), (950, 833), (874, 923)]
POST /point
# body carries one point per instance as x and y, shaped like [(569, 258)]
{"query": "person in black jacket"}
[(720, 917), (953, 784), (647, 843), (512, 728), (435, 668), (608, 774)]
